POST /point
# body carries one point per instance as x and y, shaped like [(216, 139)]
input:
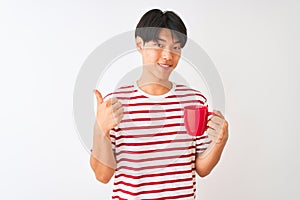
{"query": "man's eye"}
[(159, 45), (177, 48)]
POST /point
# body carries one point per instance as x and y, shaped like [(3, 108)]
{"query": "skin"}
[(159, 59), (109, 114)]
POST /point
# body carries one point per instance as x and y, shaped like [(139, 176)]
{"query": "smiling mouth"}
[(165, 66)]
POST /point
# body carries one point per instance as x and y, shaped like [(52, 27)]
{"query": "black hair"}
[(152, 21)]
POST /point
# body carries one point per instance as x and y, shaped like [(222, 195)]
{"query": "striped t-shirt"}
[(155, 155)]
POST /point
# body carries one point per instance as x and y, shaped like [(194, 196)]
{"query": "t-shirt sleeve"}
[(202, 143), (112, 134)]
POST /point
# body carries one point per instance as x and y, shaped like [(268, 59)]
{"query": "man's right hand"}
[(109, 113)]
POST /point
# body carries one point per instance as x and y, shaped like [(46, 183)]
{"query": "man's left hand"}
[(217, 128)]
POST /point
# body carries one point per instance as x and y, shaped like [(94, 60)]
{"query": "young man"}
[(139, 134)]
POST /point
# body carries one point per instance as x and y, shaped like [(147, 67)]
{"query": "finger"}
[(218, 113), (215, 136), (98, 96), (111, 101), (118, 115), (212, 134), (214, 126), (116, 106), (210, 129), (216, 119), (119, 112)]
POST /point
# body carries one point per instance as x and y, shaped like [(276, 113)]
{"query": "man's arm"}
[(102, 158), (102, 172), (218, 132)]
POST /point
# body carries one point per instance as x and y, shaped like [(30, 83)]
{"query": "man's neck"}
[(154, 87)]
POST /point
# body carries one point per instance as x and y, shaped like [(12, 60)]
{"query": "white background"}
[(254, 45)]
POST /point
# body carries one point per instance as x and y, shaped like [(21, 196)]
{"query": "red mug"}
[(195, 119)]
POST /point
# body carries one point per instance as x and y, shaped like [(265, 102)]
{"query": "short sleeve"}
[(202, 143), (112, 135)]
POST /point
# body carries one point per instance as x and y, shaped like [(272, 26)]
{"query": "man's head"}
[(152, 21), (159, 38)]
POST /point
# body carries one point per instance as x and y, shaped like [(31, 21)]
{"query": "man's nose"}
[(167, 54)]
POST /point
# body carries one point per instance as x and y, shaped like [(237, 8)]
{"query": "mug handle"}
[(208, 114), (211, 113)]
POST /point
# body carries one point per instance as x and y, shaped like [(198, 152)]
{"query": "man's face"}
[(161, 57)]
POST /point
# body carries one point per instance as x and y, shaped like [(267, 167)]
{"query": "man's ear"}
[(139, 43)]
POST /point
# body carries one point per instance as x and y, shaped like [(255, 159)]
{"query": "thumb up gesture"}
[(109, 113)]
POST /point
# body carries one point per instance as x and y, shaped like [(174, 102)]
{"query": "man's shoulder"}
[(121, 91), (185, 90)]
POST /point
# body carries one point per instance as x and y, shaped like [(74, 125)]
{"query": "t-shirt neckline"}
[(171, 91)]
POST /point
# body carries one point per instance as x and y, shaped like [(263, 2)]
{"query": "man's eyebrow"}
[(163, 40)]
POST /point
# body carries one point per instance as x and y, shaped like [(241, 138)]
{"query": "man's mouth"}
[(165, 66)]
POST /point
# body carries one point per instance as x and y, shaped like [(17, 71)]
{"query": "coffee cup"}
[(195, 119)]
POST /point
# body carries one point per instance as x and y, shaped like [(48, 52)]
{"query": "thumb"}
[(98, 96)]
